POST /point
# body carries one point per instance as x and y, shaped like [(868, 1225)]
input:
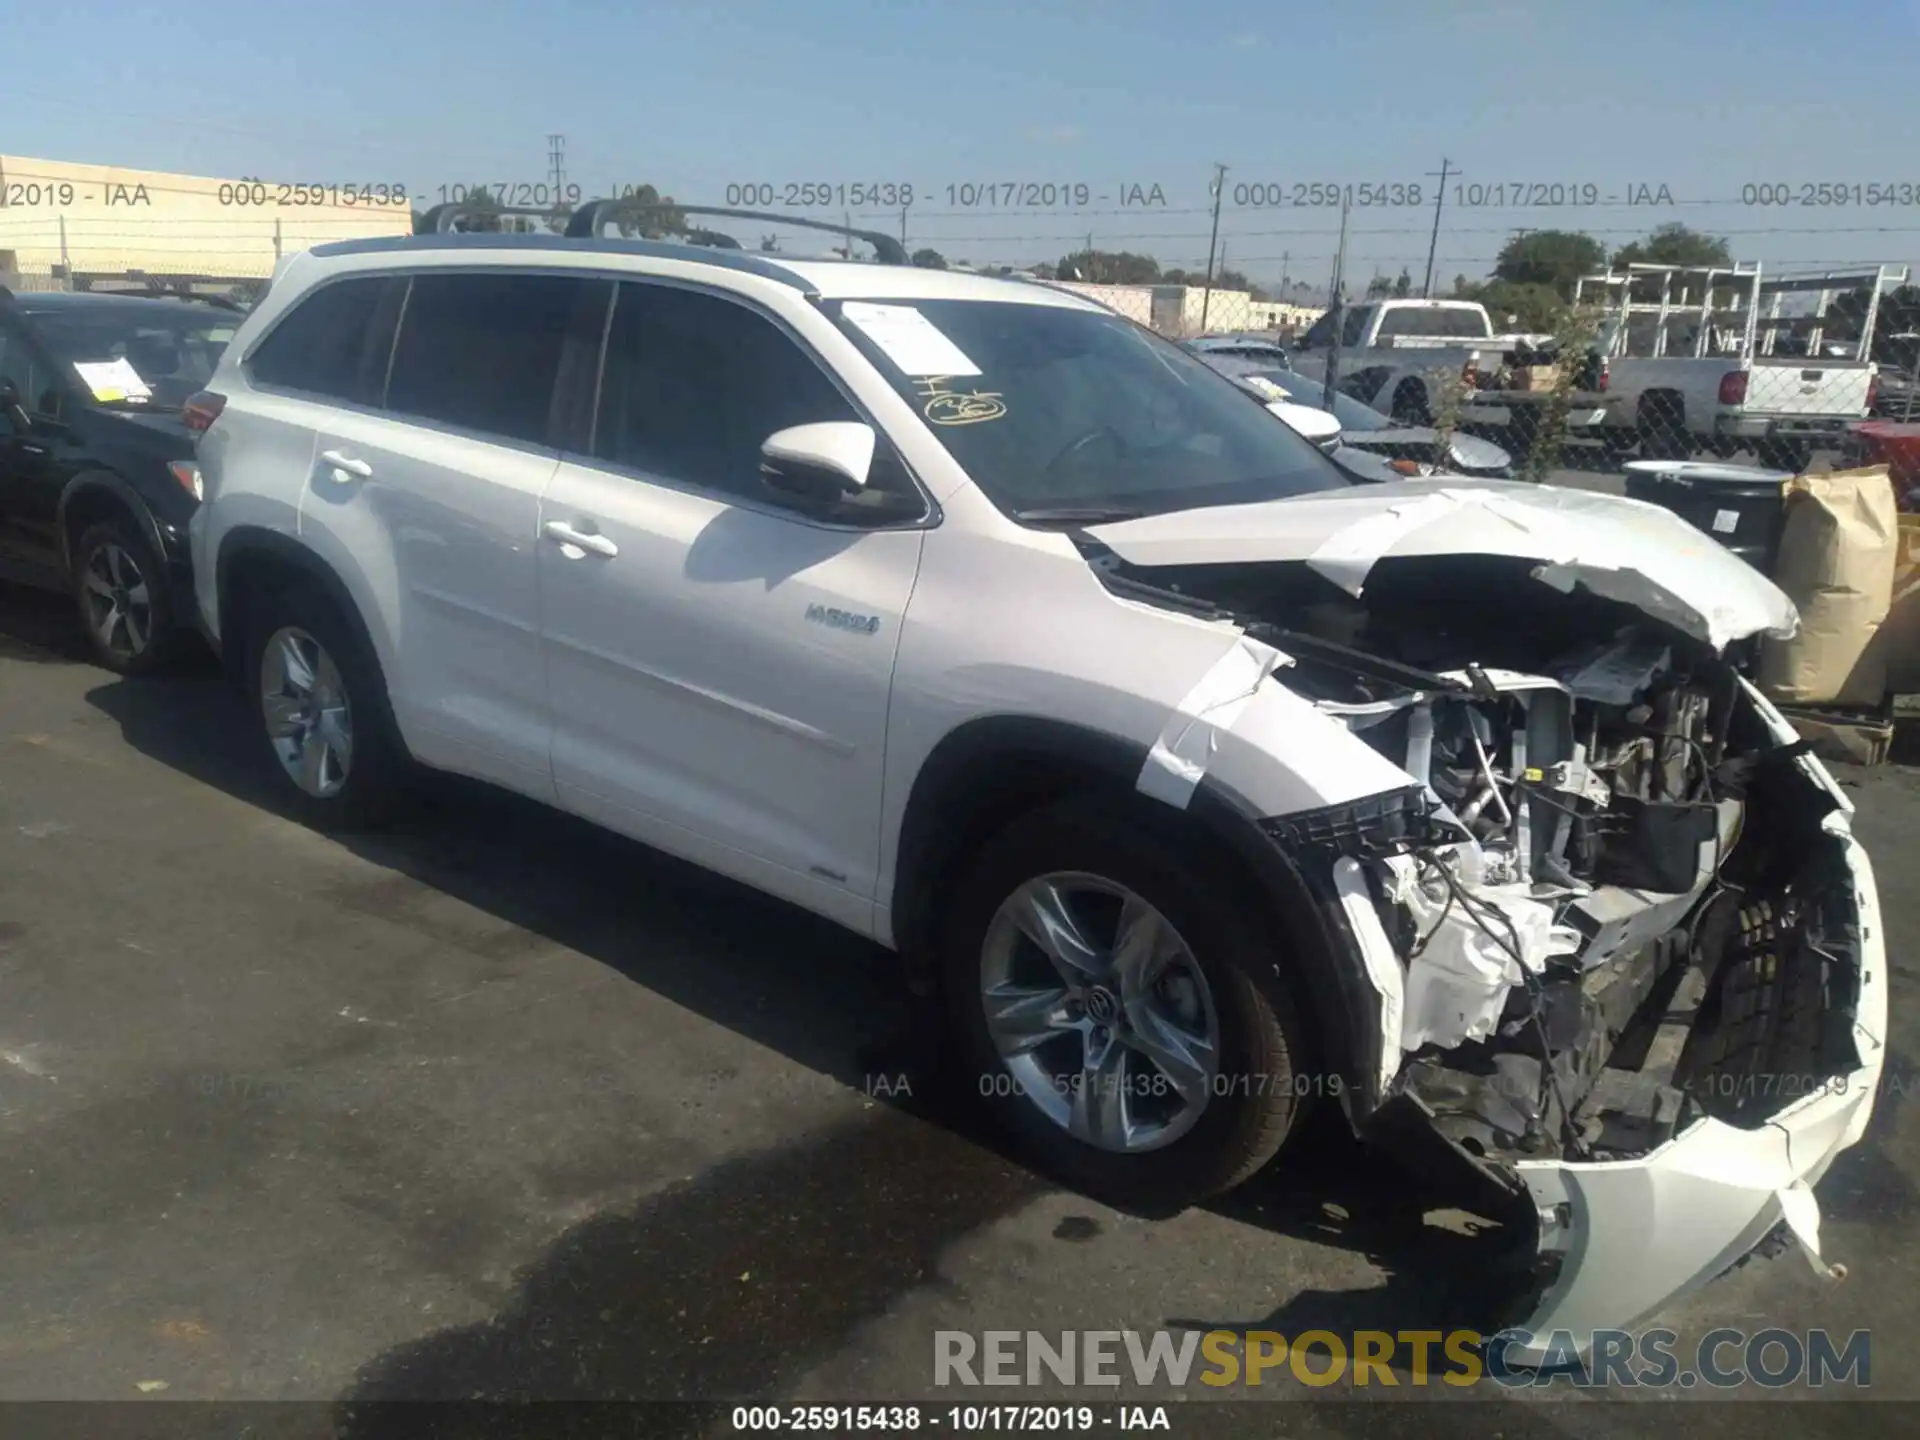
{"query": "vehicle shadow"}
[(649, 1302), (38, 626)]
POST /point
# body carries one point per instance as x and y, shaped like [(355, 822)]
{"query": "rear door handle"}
[(343, 468), (562, 533)]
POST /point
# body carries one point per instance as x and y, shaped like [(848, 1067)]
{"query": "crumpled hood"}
[(1625, 550)]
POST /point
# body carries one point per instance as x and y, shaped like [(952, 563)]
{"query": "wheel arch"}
[(1671, 403), (94, 495), (986, 773), (252, 561)]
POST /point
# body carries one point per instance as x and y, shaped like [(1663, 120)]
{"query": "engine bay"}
[(1610, 893)]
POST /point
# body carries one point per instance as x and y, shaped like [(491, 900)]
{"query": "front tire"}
[(319, 705), (120, 588), (1100, 984)]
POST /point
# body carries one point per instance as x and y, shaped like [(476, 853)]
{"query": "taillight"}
[(1873, 392), (1604, 372), (202, 409), (1733, 388), (188, 475), (1470, 371)]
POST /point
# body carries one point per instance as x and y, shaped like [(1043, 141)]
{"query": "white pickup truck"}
[(1718, 359), (1405, 356)]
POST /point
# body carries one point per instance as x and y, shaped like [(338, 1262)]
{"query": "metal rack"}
[(591, 218)]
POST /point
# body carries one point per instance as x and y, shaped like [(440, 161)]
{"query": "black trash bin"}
[(1741, 506)]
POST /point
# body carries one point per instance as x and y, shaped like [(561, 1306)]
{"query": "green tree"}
[(655, 225), (1675, 244), (1899, 314), (1223, 279), (1378, 287), (1535, 308), (483, 208), (929, 259), (1403, 286), (1109, 267), (1554, 258)]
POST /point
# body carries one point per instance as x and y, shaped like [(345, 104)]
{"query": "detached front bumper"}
[(1630, 1237)]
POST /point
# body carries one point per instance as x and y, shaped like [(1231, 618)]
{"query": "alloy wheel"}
[(1101, 1014), (118, 602), (308, 719)]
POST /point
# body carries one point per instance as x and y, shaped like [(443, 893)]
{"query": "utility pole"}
[(1426, 289), (1219, 190), (557, 165), (903, 226), (1336, 304)]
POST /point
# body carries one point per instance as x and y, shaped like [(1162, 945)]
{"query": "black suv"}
[(96, 458)]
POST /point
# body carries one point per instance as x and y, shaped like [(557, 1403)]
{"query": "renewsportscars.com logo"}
[(1723, 1359)]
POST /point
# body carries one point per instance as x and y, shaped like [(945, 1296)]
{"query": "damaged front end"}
[(1627, 953)]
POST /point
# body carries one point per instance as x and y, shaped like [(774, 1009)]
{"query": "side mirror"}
[(1311, 424), (11, 407), (821, 463)]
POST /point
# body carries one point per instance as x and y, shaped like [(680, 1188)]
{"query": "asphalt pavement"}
[(498, 1104)]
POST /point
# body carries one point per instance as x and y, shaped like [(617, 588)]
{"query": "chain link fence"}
[(1731, 363), (1774, 365)]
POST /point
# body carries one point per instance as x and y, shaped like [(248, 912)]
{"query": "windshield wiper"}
[(1077, 514)]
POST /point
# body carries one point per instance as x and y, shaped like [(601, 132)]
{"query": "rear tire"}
[(319, 704), (120, 589), (1208, 949)]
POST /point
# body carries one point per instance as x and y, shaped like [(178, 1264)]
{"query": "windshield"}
[(131, 354), (1051, 408)]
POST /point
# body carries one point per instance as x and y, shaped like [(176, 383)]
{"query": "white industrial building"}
[(1183, 311), (62, 221)]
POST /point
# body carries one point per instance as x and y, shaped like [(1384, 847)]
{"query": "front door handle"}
[(564, 534), (343, 468)]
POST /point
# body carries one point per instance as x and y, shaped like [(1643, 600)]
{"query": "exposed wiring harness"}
[(1478, 910)]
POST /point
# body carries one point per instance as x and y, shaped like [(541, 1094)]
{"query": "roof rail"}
[(588, 219), (441, 218)]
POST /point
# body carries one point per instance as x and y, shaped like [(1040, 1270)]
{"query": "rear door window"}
[(334, 343), (1355, 324), (482, 351)]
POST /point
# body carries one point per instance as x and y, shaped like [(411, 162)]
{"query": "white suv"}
[(1193, 782)]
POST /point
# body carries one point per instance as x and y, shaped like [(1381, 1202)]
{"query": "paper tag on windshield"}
[(909, 339), (1725, 522), (113, 379), (1264, 387)]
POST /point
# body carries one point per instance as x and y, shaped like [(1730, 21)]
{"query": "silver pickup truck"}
[(1413, 358)]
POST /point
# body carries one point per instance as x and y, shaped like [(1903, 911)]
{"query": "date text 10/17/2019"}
[(961, 195)]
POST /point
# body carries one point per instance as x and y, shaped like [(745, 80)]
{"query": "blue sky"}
[(1701, 98)]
